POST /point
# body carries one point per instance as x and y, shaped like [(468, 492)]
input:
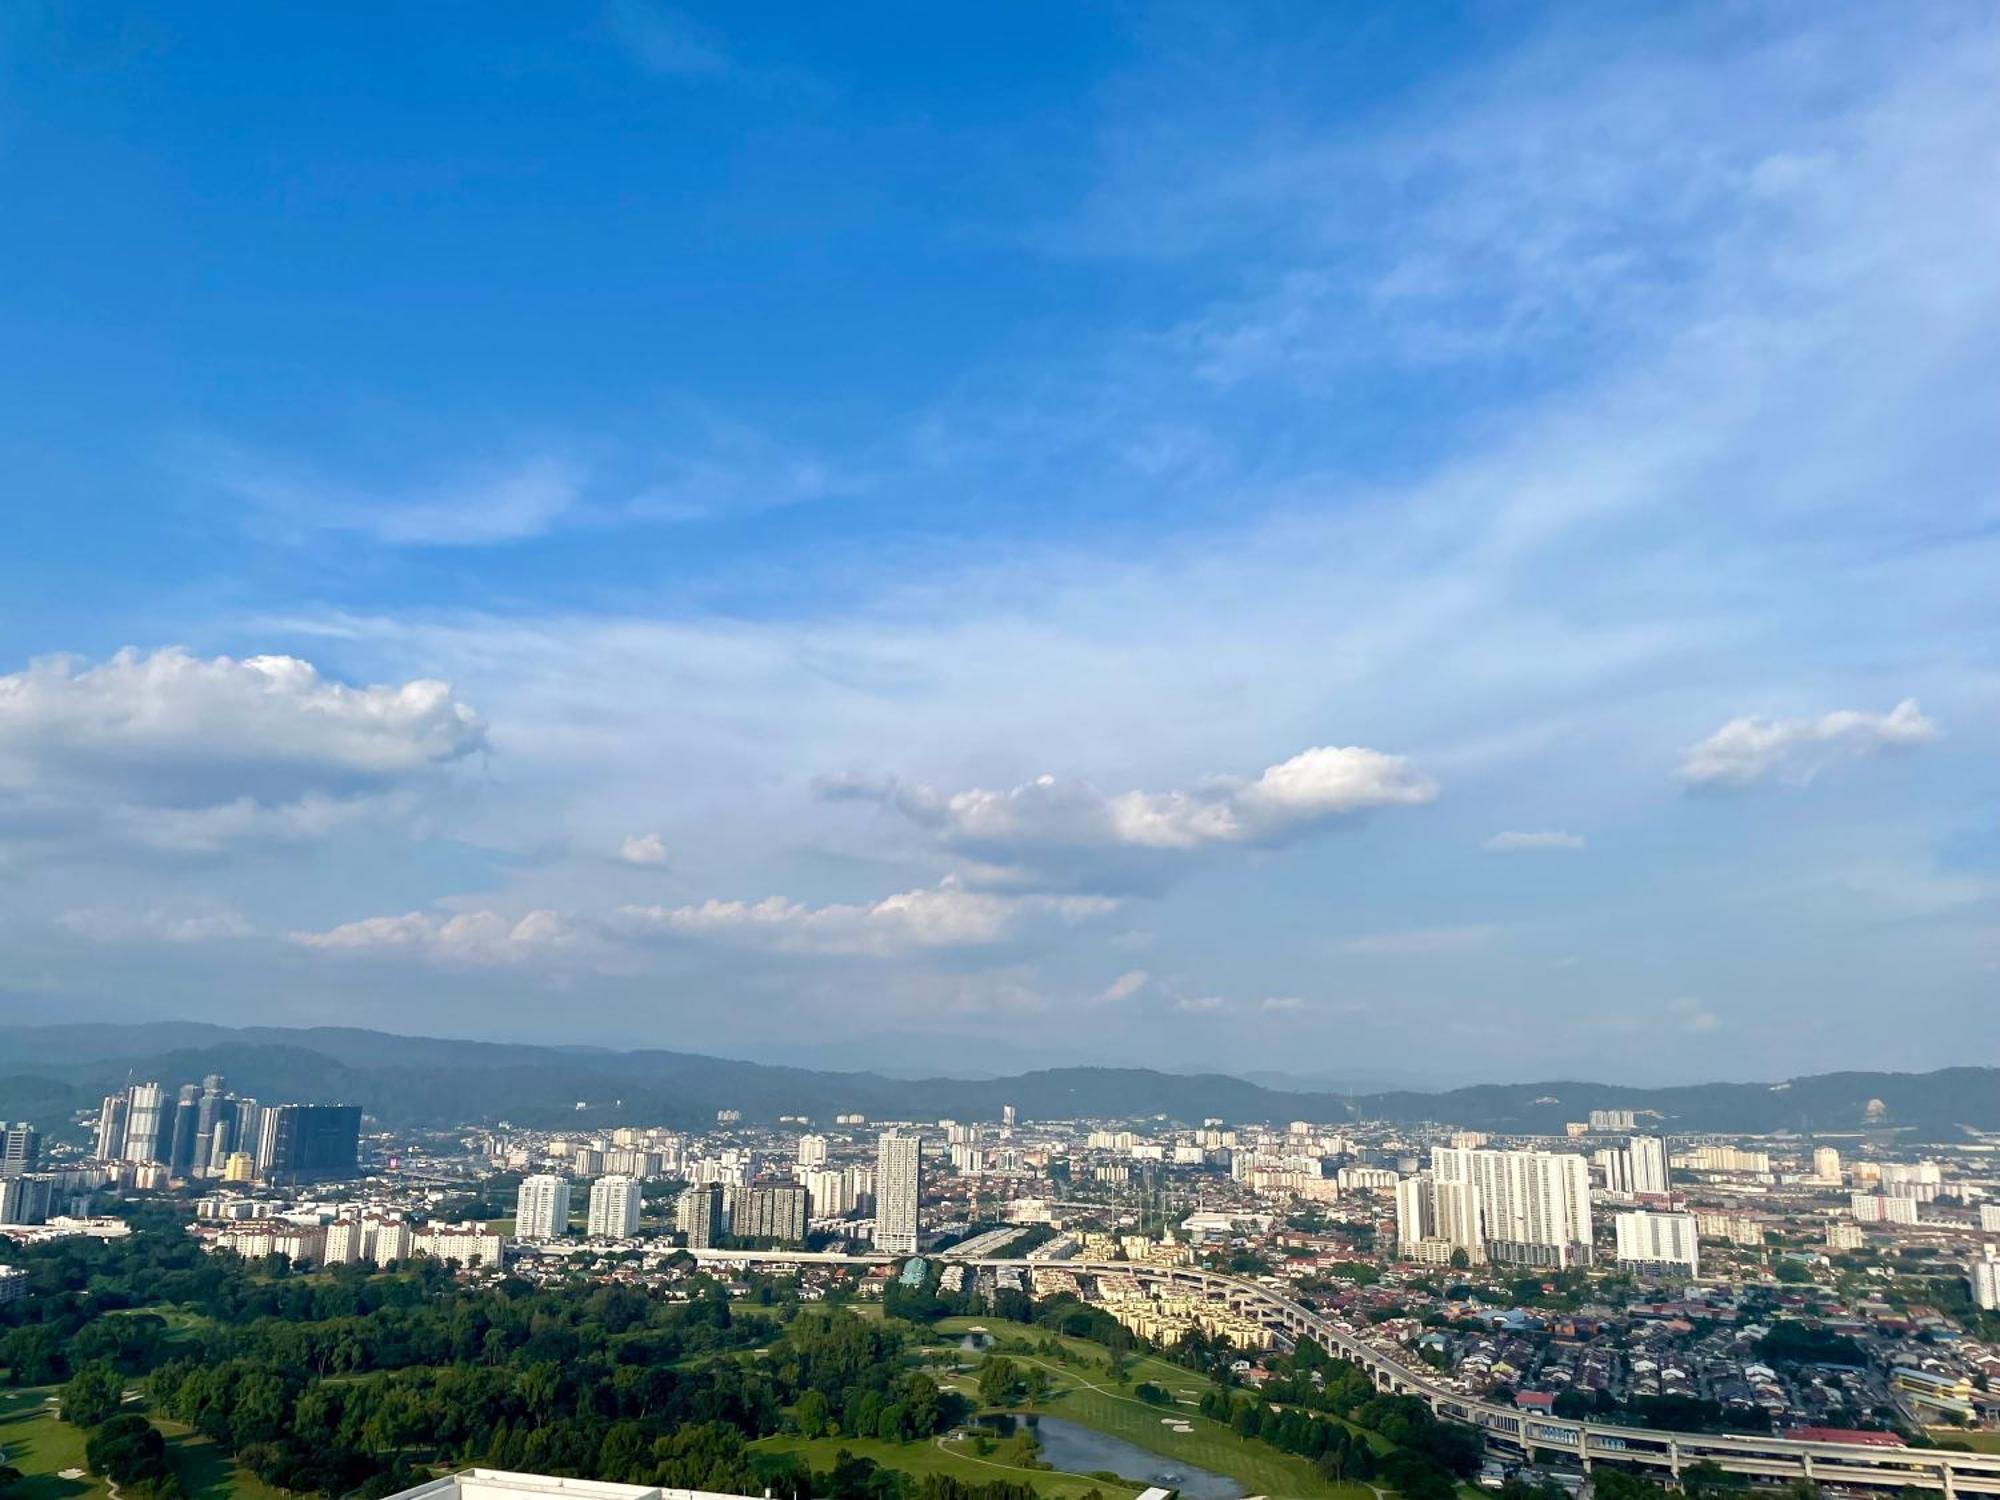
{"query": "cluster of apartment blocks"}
[(1168, 1317), (347, 1240)]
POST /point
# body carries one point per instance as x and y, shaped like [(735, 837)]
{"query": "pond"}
[(1084, 1450)]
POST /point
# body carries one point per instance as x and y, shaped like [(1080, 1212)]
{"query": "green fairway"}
[(958, 1459), (1978, 1442), (41, 1446), (1085, 1394), (34, 1441)]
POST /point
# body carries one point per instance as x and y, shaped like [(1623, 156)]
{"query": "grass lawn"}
[(956, 1459), (1085, 1394), (41, 1447)]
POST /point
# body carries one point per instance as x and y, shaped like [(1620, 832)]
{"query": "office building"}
[(1533, 1206), (180, 1136), (310, 1142), (20, 1149), (698, 1216), (899, 1189), (1657, 1244), (614, 1208), (772, 1212), (207, 1112), (541, 1208)]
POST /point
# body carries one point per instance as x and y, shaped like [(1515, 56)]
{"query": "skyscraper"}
[(111, 1128), (541, 1208), (206, 1114), (308, 1142), (1447, 1212), (1657, 1243), (145, 1106), (180, 1143), (20, 1149), (1534, 1206), (899, 1188), (812, 1150), (614, 1208)]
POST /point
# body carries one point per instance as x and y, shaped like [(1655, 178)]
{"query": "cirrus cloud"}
[(1517, 842)]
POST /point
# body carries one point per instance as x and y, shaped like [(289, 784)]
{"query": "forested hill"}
[(48, 1074)]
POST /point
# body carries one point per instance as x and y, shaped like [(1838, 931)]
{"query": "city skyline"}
[(1367, 546)]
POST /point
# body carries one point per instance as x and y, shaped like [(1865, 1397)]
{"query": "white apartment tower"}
[(1534, 1206), (899, 1187), (541, 1208), (1445, 1213), (614, 1208), (812, 1150), (1657, 1242)]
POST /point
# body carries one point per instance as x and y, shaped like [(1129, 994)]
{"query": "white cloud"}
[(181, 753), (1513, 842), (475, 938), (1749, 750), (1200, 1004), (643, 849), (942, 917), (1285, 1004), (1046, 824), (939, 919), (1417, 941), (482, 506), (1125, 986)]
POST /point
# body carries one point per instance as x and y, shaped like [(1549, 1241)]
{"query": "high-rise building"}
[(1989, 1218), (20, 1149), (1430, 1212), (207, 1113), (310, 1142), (698, 1215), (1648, 1157), (614, 1208), (541, 1208), (111, 1128), (1533, 1206), (1612, 1119), (899, 1189), (180, 1148), (145, 1108), (248, 1135), (812, 1150), (27, 1199), (1826, 1163), (772, 1212), (830, 1191), (1657, 1243), (1986, 1281)]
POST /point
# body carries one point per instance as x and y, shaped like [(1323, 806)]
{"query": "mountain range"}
[(54, 1075)]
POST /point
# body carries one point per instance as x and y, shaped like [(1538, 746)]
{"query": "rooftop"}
[(497, 1484)]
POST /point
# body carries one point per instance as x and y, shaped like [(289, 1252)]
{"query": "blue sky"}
[(1442, 542)]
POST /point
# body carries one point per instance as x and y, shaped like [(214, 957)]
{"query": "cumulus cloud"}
[(643, 849), (178, 752), (1038, 826), (1514, 842), (1750, 750), (1200, 1004)]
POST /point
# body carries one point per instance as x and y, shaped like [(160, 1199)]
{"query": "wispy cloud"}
[(1420, 941), (1750, 750)]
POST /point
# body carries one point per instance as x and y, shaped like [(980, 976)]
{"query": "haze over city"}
[(1381, 544)]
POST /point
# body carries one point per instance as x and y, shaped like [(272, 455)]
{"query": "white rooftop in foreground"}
[(498, 1484)]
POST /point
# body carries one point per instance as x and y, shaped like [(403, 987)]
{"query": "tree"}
[(128, 1450), (999, 1381), (92, 1395), (1460, 1261), (811, 1414)]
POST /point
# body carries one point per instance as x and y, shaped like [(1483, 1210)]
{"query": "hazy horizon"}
[(1449, 542)]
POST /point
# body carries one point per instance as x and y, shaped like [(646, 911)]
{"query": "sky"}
[(1370, 542)]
